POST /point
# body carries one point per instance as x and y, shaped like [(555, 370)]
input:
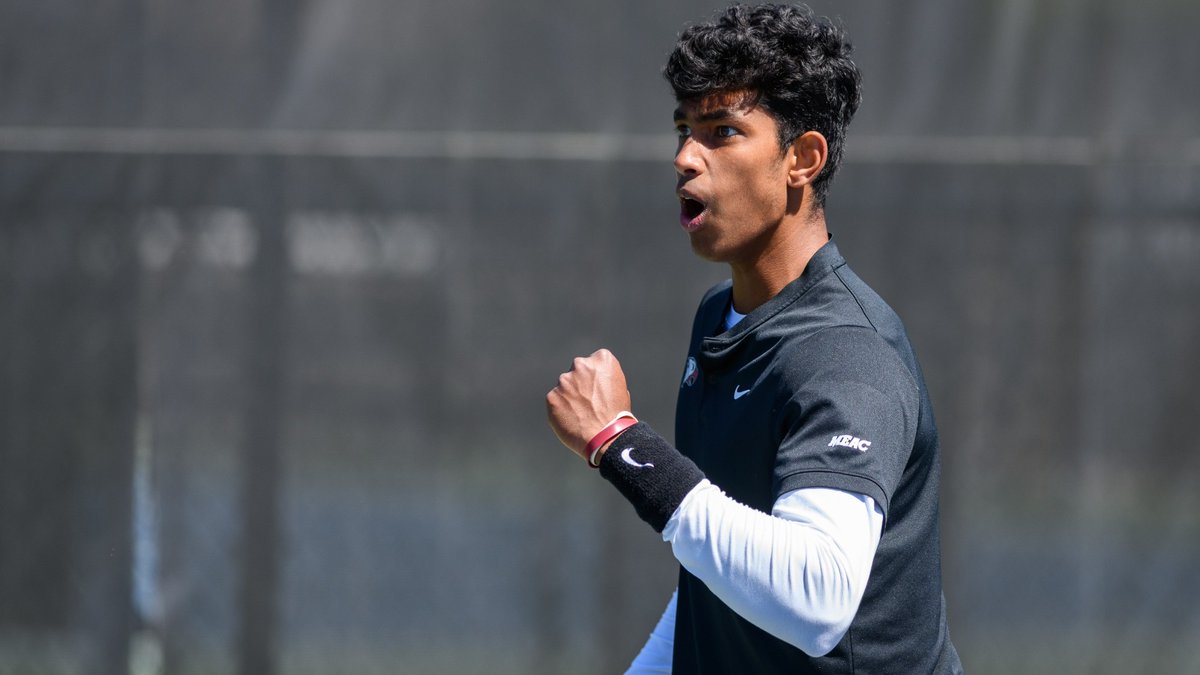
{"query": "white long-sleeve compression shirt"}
[(798, 573)]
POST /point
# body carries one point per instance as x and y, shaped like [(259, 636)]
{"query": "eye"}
[(683, 130), (724, 131)]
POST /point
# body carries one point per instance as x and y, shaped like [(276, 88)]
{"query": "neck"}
[(780, 261)]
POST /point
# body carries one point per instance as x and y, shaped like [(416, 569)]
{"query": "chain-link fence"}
[(284, 285)]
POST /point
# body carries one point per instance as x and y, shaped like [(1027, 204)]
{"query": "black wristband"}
[(651, 474)]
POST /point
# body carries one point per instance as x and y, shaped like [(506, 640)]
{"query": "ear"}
[(806, 157)]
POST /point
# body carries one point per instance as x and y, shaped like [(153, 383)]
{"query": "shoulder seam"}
[(891, 348), (837, 271)]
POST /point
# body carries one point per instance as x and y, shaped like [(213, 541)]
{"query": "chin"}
[(705, 249)]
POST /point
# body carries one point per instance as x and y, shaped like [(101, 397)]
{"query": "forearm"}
[(658, 652), (799, 581), (798, 575)]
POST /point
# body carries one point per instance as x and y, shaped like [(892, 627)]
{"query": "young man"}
[(802, 497)]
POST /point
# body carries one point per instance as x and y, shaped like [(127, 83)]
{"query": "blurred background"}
[(283, 285)]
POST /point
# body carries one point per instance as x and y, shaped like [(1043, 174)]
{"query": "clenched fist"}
[(587, 397)]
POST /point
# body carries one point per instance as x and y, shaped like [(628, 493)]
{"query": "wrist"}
[(651, 474), (594, 457), (599, 444)]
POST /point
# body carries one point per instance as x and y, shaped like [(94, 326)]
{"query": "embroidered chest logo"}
[(690, 373), (848, 441)]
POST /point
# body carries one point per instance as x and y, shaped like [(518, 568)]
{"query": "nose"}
[(688, 160)]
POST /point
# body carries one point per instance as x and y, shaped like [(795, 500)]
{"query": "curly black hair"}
[(795, 65)]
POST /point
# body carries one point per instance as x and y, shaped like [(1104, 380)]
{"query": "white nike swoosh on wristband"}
[(631, 461)]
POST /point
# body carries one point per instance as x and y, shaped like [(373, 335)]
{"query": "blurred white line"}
[(986, 150), (354, 144), (566, 146)]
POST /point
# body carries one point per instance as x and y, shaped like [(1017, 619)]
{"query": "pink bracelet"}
[(620, 423)]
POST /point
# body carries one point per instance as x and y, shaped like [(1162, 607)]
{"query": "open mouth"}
[(691, 213), (692, 208)]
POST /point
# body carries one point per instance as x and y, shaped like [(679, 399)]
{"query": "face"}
[(732, 176)]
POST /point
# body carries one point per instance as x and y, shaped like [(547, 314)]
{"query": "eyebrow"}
[(710, 116)]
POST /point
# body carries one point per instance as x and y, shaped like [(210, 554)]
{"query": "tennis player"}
[(801, 495)]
